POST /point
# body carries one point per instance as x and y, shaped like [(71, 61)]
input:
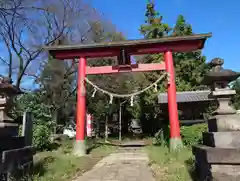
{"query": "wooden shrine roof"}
[(184, 97), (141, 46)]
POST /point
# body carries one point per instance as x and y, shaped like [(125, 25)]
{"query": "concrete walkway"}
[(128, 164)]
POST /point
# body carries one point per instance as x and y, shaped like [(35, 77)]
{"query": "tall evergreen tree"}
[(190, 67), (182, 28), (57, 83), (154, 27)]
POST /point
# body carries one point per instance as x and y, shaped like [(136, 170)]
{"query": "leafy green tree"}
[(99, 104), (236, 98), (190, 67), (33, 103), (56, 80), (42, 117)]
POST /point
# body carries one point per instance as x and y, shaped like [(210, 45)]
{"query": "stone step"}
[(218, 164), (217, 155), (219, 176), (222, 139)]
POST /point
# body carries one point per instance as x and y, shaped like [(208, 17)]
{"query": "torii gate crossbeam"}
[(124, 50)]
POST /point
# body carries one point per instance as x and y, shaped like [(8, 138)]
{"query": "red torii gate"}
[(123, 50)]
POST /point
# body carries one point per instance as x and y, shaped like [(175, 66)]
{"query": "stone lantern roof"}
[(7, 88), (7, 92), (218, 73)]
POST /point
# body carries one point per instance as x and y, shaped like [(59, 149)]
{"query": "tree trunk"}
[(98, 129), (120, 122), (106, 129), (54, 121)]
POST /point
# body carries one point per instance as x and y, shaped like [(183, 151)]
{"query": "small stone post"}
[(27, 129)]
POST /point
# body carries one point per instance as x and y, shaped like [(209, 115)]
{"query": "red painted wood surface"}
[(172, 103), (128, 68), (182, 46), (81, 100)]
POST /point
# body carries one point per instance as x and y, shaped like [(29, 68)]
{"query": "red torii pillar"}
[(175, 138), (137, 47), (79, 148)]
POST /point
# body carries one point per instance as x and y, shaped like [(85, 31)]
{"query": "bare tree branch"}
[(12, 32), (26, 26)]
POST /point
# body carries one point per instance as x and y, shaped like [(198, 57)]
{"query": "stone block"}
[(217, 155), (222, 139), (15, 158), (218, 164), (8, 129), (224, 123), (8, 143)]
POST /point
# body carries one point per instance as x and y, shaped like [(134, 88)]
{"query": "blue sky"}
[(219, 17)]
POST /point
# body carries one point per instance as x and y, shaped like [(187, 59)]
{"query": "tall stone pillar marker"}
[(219, 156), (27, 129)]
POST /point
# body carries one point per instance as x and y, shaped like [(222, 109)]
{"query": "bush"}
[(192, 135), (41, 136)]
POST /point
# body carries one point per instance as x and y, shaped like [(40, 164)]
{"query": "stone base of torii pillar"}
[(79, 148)]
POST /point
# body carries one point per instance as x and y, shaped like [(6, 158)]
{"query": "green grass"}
[(171, 166), (61, 165)]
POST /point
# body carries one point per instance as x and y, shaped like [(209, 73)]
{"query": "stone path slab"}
[(128, 164)]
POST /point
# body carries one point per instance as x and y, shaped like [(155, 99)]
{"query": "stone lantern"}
[(7, 93), (224, 118), (219, 156), (16, 155)]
